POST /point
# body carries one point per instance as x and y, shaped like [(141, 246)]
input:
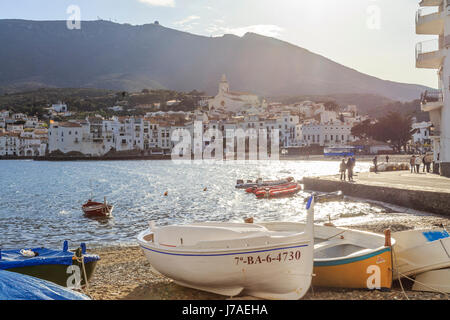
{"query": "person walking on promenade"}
[(424, 163), (351, 168), (387, 159), (342, 169), (375, 163), (428, 161), (412, 162), (418, 162)]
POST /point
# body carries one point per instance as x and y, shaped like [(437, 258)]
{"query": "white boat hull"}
[(266, 262), (282, 272), (433, 281), (414, 253)]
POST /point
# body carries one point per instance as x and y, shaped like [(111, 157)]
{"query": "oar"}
[(328, 197)]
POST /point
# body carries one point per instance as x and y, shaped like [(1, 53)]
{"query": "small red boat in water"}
[(98, 209), (278, 192), (284, 185)]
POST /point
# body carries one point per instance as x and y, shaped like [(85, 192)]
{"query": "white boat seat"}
[(326, 244), (192, 234), (338, 248)]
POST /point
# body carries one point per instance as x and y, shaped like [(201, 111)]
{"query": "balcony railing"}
[(428, 3), (431, 100), (429, 54), (423, 12), (432, 96), (427, 47), (429, 21)]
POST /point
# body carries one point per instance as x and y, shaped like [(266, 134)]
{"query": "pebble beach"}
[(123, 273)]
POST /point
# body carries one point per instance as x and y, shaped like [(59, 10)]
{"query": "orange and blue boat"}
[(345, 258)]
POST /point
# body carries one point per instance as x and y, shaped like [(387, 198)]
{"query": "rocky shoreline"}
[(123, 273)]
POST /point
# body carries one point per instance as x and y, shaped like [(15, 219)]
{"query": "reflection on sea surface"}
[(41, 201)]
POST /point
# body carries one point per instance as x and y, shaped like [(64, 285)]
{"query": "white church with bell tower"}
[(232, 101)]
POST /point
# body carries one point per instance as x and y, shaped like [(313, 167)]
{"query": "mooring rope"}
[(400, 275), (81, 260)]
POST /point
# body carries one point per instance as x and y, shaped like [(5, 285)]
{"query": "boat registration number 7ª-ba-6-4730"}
[(270, 258)]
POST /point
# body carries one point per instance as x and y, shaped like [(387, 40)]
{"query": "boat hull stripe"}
[(222, 254)]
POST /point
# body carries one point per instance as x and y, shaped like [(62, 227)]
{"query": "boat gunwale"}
[(224, 252), (96, 207), (344, 259), (328, 262), (428, 243), (151, 246)]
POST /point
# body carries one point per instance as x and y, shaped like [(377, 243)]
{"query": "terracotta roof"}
[(69, 124), (10, 134)]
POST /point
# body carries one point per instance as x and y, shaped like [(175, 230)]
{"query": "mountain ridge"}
[(109, 55)]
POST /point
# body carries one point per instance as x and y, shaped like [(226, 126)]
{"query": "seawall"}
[(424, 192)]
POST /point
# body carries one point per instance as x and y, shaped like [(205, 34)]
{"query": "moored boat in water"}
[(240, 184), (51, 265), (97, 209), (278, 192), (278, 186), (266, 261)]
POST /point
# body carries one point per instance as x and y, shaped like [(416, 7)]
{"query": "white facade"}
[(97, 136), (433, 18), (9, 144), (231, 101), (324, 134), (421, 133), (59, 107), (13, 144)]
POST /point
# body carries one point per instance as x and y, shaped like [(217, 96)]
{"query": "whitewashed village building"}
[(232, 101), (59, 107), (421, 135), (21, 135), (334, 133)]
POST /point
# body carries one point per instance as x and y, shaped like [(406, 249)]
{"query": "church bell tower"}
[(223, 85)]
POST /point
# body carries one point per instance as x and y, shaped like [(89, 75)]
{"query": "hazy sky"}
[(376, 37)]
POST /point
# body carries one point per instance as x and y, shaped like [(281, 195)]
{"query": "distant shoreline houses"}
[(21, 135), (302, 124)]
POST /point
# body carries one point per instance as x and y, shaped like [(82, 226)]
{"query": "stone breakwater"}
[(424, 192)]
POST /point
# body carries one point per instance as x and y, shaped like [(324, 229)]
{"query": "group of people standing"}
[(347, 166), (416, 160)]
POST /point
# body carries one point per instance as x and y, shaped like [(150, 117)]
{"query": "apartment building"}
[(433, 18)]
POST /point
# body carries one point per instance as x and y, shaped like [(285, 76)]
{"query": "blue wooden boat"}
[(52, 265), (15, 286)]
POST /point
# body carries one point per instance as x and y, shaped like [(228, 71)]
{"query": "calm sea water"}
[(41, 201)]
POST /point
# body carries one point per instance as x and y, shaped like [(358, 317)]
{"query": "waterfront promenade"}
[(424, 191)]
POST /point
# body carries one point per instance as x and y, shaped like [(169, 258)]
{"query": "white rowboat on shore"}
[(433, 281), (268, 262), (419, 251)]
